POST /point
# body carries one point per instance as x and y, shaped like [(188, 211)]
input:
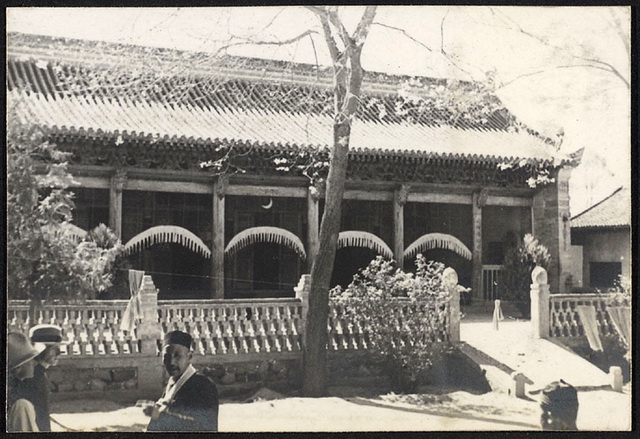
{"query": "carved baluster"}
[(276, 343)]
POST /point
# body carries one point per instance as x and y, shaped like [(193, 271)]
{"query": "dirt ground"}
[(599, 410)]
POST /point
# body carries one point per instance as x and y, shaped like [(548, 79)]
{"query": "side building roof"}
[(612, 212), (98, 89)]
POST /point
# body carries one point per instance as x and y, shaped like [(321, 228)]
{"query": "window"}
[(604, 274)]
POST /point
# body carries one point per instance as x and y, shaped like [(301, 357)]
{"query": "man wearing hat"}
[(559, 405), (190, 400), (49, 337), (21, 415)]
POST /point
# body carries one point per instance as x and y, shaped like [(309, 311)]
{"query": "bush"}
[(403, 315), (45, 259), (520, 260)]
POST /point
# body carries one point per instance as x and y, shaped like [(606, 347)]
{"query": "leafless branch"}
[(324, 21), (405, 33), (541, 71), (442, 32), (292, 40), (617, 27), (610, 68), (347, 41), (364, 25)]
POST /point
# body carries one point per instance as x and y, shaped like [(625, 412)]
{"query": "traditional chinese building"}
[(603, 232), (140, 123)]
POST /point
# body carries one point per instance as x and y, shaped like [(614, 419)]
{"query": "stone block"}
[(121, 375), (55, 375), (215, 372), (97, 384), (228, 378), (102, 374), (65, 386)]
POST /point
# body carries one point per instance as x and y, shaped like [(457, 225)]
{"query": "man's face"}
[(176, 358), (24, 371)]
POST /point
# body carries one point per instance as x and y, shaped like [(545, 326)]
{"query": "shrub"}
[(403, 315), (45, 259), (520, 260)]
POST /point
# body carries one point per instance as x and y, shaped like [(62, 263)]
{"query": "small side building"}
[(604, 233)]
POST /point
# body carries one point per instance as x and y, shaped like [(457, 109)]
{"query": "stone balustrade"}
[(556, 315), (564, 320), (266, 332), (91, 328)]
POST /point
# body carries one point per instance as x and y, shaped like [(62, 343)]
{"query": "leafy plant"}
[(404, 316), (46, 260), (520, 260)]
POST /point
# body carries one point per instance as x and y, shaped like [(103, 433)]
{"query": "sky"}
[(536, 54)]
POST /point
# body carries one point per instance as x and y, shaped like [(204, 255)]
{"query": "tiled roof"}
[(55, 79), (613, 211)]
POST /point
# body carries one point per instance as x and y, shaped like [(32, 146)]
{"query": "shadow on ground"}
[(444, 407)]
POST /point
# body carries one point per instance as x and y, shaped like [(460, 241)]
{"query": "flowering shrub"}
[(404, 316), (519, 262)]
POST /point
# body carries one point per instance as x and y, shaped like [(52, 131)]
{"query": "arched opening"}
[(349, 260), (177, 271), (263, 270)]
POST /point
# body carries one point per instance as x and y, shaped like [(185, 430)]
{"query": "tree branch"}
[(268, 43), (610, 68), (405, 33), (442, 32), (538, 72), (332, 14), (328, 36), (362, 31)]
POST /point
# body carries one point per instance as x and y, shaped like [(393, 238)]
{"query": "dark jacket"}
[(197, 399), (37, 391)]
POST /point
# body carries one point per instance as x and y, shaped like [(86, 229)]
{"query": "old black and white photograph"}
[(318, 218)]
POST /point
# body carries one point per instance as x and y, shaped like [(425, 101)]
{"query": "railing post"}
[(517, 385), (302, 293), (148, 328), (615, 377), (150, 369), (451, 283), (539, 303)]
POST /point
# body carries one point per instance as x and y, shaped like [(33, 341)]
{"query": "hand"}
[(157, 410)]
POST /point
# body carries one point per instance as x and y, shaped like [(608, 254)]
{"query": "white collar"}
[(173, 386)]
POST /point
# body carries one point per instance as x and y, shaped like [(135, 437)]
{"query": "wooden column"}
[(399, 200), (116, 186), (479, 200), (217, 241), (313, 213)]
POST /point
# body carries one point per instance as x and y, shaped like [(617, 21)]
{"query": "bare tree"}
[(345, 53)]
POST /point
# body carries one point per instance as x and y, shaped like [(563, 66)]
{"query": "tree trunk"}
[(314, 349), (348, 76)]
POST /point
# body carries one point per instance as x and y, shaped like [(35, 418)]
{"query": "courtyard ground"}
[(358, 410), (599, 410)]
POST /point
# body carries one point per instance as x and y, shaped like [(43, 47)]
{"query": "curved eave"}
[(357, 154)]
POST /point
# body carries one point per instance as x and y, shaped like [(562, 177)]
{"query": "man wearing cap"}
[(21, 415), (37, 389), (190, 400)]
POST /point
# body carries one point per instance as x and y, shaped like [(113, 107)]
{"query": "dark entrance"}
[(349, 260), (266, 266), (177, 272)]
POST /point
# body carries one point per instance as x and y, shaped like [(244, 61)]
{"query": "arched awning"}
[(167, 234), (437, 240), (265, 234), (357, 238)]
